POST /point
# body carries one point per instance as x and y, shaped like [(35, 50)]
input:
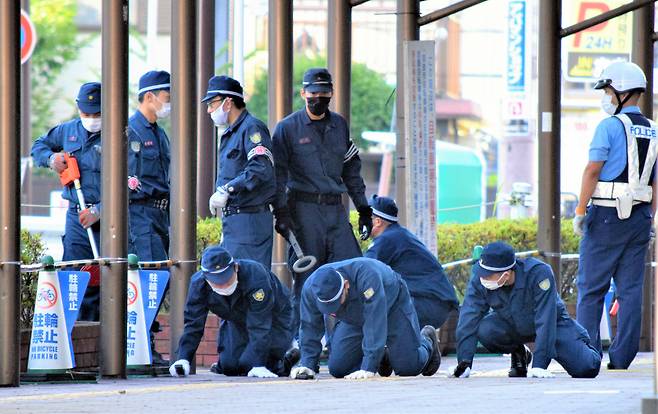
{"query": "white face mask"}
[(493, 284), (91, 124), (164, 110), (219, 116), (607, 105), (225, 291)]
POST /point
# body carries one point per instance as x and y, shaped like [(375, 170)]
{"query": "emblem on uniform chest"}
[(255, 138), (305, 140), (73, 138), (135, 146), (148, 143)]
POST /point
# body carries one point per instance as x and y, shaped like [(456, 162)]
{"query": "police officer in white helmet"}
[(615, 227)]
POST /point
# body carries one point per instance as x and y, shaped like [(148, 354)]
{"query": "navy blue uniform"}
[(433, 295), (611, 247), (255, 329), (529, 310), (148, 161), (71, 137), (315, 164), (377, 312), (246, 169)]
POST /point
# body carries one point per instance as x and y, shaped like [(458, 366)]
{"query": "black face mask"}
[(318, 105)]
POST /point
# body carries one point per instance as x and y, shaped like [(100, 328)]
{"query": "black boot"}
[(385, 367), (216, 368), (290, 359), (521, 358), (434, 360), (156, 357)]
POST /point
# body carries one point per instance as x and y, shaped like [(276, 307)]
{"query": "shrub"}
[(32, 249)]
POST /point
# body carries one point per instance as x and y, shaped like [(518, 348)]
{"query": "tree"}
[(371, 107), (57, 45)]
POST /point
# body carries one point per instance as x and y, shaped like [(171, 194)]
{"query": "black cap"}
[(89, 98), (384, 207), (495, 258), (317, 80), (223, 85), (217, 265)]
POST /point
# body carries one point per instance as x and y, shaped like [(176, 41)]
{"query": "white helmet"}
[(622, 77)]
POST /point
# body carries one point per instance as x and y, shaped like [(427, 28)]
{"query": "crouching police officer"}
[(525, 308), (254, 306), (619, 179), (245, 174), (373, 308), (80, 138), (433, 295)]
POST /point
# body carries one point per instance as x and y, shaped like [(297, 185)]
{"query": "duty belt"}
[(230, 210), (316, 197), (161, 204)]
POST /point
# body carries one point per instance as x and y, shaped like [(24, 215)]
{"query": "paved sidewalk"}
[(487, 391)]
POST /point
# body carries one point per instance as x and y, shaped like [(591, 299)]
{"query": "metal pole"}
[(183, 161), (548, 235), (206, 148), (340, 60), (447, 11), (280, 98), (407, 29), (643, 57), (114, 242), (26, 128), (10, 127)]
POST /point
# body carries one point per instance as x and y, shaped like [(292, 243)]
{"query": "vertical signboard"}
[(516, 105), (420, 130)]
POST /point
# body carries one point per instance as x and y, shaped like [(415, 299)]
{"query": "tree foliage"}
[(371, 105)]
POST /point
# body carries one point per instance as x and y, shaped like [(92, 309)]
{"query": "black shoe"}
[(290, 359), (216, 368), (434, 360), (156, 357), (385, 368), (521, 358)]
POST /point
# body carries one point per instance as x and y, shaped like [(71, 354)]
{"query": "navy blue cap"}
[(384, 207), (495, 258), (217, 265), (89, 98), (154, 80), (223, 85), (327, 286), (317, 80)]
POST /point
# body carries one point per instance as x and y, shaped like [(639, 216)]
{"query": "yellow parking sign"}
[(591, 50)]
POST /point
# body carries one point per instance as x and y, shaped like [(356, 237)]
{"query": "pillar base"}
[(650, 404)]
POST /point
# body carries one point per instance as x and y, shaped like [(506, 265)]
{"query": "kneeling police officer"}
[(374, 310), (256, 315), (525, 307)]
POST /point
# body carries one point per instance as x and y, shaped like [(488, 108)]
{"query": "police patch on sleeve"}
[(545, 284), (259, 295), (255, 138), (135, 146), (260, 150), (368, 293)]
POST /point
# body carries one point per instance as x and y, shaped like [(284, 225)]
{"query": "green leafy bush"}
[(32, 248)]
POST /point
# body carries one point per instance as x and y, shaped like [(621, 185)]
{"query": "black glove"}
[(283, 222), (365, 221), (461, 368)]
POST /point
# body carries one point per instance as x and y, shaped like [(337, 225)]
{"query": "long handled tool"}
[(303, 262), (71, 175)]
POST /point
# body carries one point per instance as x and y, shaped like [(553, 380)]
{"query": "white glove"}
[(465, 374), (261, 372), (578, 223), (360, 374), (186, 368), (540, 373), (297, 371), (218, 200)]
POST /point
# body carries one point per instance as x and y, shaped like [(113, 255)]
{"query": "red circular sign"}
[(28, 37), (46, 295), (132, 293)]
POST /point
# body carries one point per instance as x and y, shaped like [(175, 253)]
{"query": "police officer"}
[(373, 308), (525, 307), (433, 296), (245, 177), (148, 177), (615, 228), (81, 139), (148, 169), (255, 310), (316, 162)]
